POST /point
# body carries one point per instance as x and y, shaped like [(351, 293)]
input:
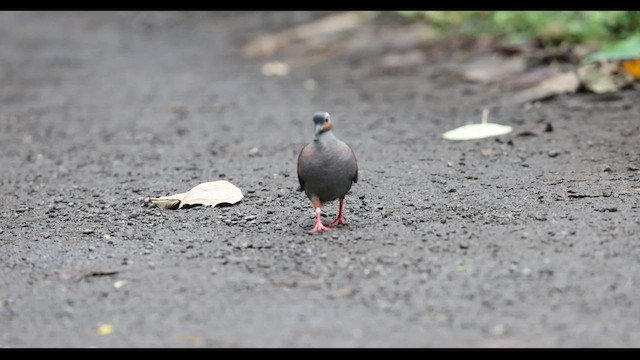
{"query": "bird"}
[(327, 167)]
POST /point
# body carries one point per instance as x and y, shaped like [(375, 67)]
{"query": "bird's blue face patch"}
[(320, 117)]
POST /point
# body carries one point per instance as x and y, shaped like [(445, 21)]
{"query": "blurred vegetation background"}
[(550, 29)]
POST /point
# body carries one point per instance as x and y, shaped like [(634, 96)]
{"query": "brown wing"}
[(301, 188), (355, 176)]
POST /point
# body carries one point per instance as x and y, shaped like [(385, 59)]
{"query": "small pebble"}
[(254, 151), (541, 217), (87, 231), (553, 153)]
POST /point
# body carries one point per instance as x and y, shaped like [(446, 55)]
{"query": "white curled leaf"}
[(208, 193), (477, 131)]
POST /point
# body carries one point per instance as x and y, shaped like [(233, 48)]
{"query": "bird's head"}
[(322, 122)]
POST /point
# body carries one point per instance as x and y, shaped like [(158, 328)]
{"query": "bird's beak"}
[(318, 130)]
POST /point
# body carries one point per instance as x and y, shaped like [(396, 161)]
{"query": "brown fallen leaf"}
[(343, 291), (566, 82), (411, 58), (267, 45), (77, 273), (208, 193), (604, 77), (530, 78), (493, 68)]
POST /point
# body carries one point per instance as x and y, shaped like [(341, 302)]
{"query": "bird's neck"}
[(324, 136)]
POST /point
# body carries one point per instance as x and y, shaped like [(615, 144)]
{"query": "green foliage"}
[(624, 50), (551, 28)]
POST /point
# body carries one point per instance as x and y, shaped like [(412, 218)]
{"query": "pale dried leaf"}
[(476, 131), (343, 292), (275, 68), (213, 193), (562, 83), (604, 77)]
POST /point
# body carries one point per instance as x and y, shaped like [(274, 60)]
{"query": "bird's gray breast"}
[(327, 169)]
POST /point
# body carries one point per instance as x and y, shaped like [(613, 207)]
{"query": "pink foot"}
[(338, 221), (319, 226)]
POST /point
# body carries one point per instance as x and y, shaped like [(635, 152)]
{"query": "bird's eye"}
[(326, 120)]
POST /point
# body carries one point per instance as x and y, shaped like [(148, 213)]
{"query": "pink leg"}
[(319, 225), (340, 220)]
